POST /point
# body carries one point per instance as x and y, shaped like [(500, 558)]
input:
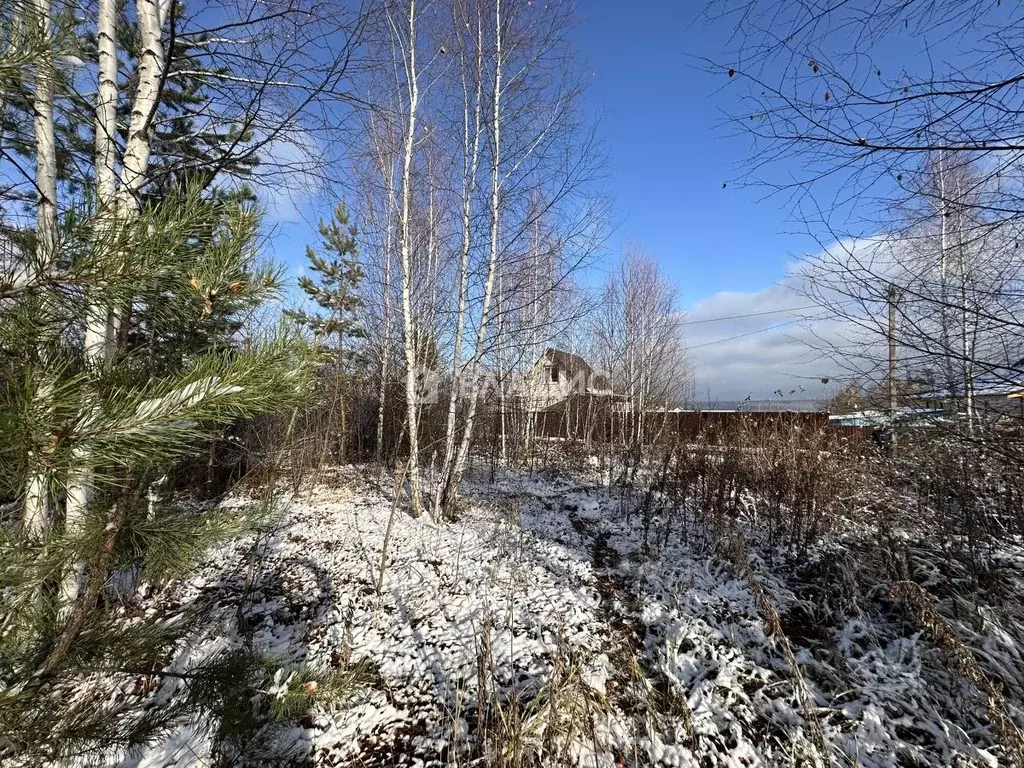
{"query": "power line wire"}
[(751, 314), (742, 335)]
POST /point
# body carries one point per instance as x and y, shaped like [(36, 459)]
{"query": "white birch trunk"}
[(36, 511), (967, 333), (534, 347), (966, 337), (432, 250), (943, 211), (101, 320), (97, 325), (471, 157), (405, 254), (385, 355), (481, 336), (135, 162), (966, 350), (106, 103), (501, 371)]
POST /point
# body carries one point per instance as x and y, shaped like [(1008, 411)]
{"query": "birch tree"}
[(495, 217), (532, 147), (470, 51), (247, 94), (899, 143), (963, 238), (958, 288), (638, 336), (492, 146), (379, 193), (405, 34), (36, 510), (471, 70)]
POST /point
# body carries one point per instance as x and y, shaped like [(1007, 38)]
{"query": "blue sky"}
[(669, 152)]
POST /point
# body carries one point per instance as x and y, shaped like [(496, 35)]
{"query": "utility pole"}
[(891, 295)]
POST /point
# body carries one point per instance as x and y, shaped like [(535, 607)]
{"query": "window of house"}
[(554, 374)]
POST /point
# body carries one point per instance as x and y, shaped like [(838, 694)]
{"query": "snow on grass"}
[(316, 600), (636, 653)]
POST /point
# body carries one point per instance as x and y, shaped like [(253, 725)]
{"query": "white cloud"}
[(758, 344), (287, 181)]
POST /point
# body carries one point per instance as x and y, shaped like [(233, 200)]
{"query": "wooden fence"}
[(597, 422)]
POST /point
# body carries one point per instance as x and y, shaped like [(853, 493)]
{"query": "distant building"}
[(904, 417), (993, 397), (866, 418), (558, 375)]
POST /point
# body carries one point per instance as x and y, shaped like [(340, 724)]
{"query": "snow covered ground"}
[(592, 648)]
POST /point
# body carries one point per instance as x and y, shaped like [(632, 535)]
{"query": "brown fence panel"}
[(584, 418)]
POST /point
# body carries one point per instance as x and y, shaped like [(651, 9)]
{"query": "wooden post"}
[(891, 295)]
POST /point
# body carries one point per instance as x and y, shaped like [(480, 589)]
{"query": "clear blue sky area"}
[(670, 152)]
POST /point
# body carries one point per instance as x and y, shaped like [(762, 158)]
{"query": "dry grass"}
[(753, 492), (550, 725), (740, 558), (961, 663)]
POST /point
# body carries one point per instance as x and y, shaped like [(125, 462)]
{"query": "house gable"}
[(557, 374)]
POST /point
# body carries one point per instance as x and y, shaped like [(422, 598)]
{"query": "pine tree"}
[(188, 150), (334, 322), (133, 430), (120, 423)]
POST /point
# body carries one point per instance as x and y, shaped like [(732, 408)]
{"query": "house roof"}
[(573, 365), (906, 416), (981, 389), (1003, 380), (567, 361)]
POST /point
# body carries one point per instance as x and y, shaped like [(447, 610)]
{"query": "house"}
[(999, 398), (557, 375), (999, 393), (907, 416)]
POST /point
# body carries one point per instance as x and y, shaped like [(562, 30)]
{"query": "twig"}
[(399, 482)]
